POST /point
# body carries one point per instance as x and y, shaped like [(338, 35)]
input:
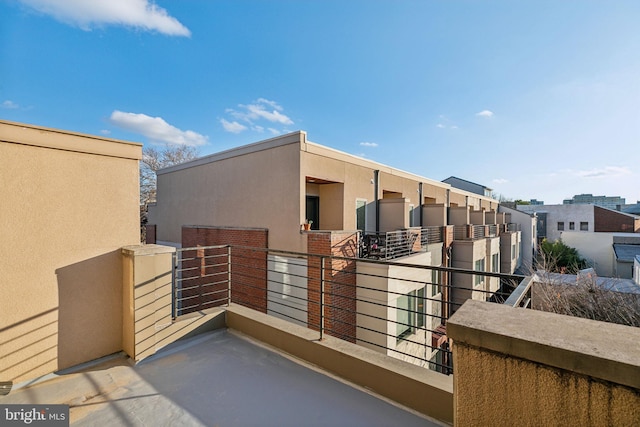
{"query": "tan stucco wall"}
[(264, 185), (69, 202), (257, 189), (147, 318), (542, 368), (596, 248), (536, 394)]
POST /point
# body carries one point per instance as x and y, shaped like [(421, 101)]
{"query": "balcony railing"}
[(396, 308), (469, 231), (399, 243), (429, 235)]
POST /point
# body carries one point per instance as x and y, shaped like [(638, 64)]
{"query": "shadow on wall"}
[(31, 348), (89, 309)]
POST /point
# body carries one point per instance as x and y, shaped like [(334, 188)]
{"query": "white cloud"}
[(454, 127), (105, 132), (86, 14), (440, 125), (500, 181), (607, 171), (255, 115), (368, 144), (233, 127), (485, 113), (258, 111), (156, 129), (10, 105)]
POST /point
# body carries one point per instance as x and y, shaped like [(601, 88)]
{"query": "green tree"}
[(560, 258)]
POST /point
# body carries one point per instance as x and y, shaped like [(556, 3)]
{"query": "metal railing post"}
[(174, 283), (228, 275), (321, 297)]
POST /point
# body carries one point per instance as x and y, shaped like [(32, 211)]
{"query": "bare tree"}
[(590, 298), (154, 159)]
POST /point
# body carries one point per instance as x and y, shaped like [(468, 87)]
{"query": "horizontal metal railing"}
[(474, 231), (396, 244), (513, 227), (367, 302), (430, 235)]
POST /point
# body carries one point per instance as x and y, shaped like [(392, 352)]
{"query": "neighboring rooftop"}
[(609, 283), (472, 187), (633, 209), (626, 253), (217, 378)]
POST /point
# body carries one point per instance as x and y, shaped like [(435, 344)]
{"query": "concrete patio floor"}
[(214, 379)]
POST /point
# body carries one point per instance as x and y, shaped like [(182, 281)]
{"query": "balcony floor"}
[(218, 379)]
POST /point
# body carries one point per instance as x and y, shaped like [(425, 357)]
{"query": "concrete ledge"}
[(425, 391), (25, 134), (143, 250), (605, 351)]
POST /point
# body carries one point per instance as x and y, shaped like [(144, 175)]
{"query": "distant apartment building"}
[(611, 202), (553, 220), (352, 207)]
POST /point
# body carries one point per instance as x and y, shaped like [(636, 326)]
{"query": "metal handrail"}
[(337, 298)]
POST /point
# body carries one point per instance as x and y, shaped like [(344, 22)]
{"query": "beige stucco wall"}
[(147, 324), (69, 202), (257, 189), (379, 286), (464, 255), (542, 368), (264, 185), (596, 248)]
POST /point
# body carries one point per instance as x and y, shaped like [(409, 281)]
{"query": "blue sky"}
[(535, 99)]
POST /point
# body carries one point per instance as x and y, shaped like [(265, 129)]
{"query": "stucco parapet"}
[(146, 250), (26, 134), (297, 137), (601, 350)]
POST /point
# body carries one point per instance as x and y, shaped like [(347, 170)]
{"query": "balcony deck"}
[(217, 378)]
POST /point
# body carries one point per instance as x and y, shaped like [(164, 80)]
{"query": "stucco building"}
[(555, 219), (69, 203), (355, 207)]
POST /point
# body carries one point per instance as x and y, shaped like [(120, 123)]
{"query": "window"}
[(403, 316), (410, 313), (435, 282), (584, 226), (495, 263), (513, 251), (560, 226), (412, 220), (479, 266), (421, 304), (572, 225), (361, 214)]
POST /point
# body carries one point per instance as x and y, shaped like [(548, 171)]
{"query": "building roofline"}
[(633, 216), (315, 148), (531, 214), (58, 139), (470, 182), (300, 137)]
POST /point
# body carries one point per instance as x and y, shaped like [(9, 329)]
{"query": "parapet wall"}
[(517, 366)]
